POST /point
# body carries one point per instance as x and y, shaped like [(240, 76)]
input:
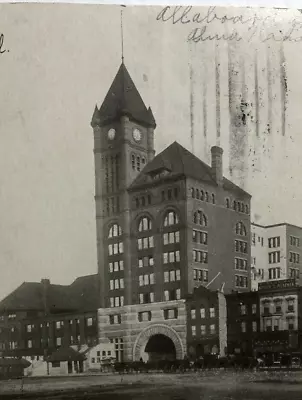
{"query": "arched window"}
[(137, 202), (206, 196), (138, 163), (193, 193), (240, 229), (246, 209), (242, 207), (144, 240), (227, 203), (114, 231), (201, 195), (213, 198), (171, 218), (143, 161), (145, 224), (197, 194), (238, 206), (234, 205), (200, 219), (115, 245)]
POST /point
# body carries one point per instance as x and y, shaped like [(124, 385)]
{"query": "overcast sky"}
[(62, 60)]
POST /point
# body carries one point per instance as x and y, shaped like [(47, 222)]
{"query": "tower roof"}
[(123, 98)]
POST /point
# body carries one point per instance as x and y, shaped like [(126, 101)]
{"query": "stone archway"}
[(158, 329)]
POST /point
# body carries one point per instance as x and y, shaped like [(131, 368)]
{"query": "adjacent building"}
[(38, 318), (165, 225), (275, 253)]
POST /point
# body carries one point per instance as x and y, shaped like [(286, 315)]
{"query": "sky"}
[(60, 61)]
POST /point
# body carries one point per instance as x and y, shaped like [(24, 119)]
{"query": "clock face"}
[(137, 135), (111, 134)]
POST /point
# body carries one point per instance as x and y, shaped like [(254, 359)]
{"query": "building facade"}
[(165, 225), (275, 253), (38, 318)]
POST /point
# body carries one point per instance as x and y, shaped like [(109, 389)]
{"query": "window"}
[(193, 193), (202, 312), (294, 257), (212, 329), (254, 326), (116, 266), (171, 218), (241, 246), (116, 284), (200, 237), (240, 229), (146, 261), (290, 323), (145, 243), (241, 264), (290, 305), (144, 316), (276, 324), (294, 241), (294, 273), (274, 273), (193, 313), (227, 203), (274, 257), (241, 281), (29, 328), (242, 309), (145, 224), (115, 319), (58, 341), (171, 257), (254, 239), (206, 196), (254, 308), (171, 313), (29, 344), (89, 321), (117, 301), (133, 162), (212, 312), (145, 280), (115, 231), (146, 298), (173, 294), (172, 275), (274, 242), (193, 328), (268, 325), (243, 326), (171, 237), (278, 307), (213, 198), (199, 218), (200, 256), (200, 275)]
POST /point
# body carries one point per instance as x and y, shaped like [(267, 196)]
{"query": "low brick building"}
[(206, 323), (38, 318)]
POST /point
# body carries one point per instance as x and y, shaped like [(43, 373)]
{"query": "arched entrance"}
[(158, 341), (160, 347)]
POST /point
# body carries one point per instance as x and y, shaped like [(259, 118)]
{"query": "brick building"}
[(38, 318), (165, 224), (206, 323), (243, 322)]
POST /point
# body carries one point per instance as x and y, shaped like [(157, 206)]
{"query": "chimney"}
[(45, 291), (217, 164)]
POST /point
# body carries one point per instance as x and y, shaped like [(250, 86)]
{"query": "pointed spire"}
[(151, 118), (95, 121), (123, 98)]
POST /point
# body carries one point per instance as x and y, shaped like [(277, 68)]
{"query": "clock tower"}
[(123, 130)]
